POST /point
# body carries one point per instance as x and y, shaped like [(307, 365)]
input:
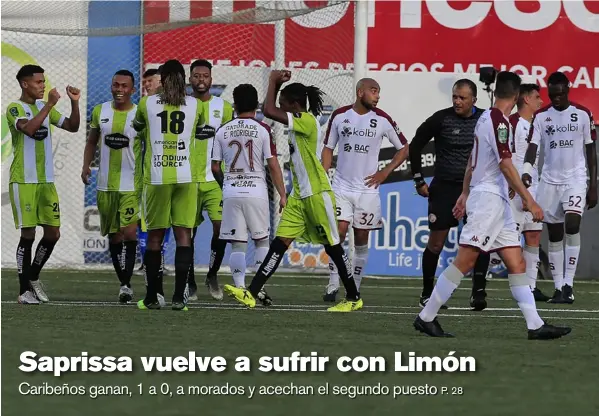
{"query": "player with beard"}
[(359, 130), (215, 113)]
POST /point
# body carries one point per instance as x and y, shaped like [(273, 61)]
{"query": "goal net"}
[(83, 43)]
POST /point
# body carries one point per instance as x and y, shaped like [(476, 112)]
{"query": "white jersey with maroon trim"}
[(521, 128), (359, 138), (244, 144), (563, 135), (492, 142)]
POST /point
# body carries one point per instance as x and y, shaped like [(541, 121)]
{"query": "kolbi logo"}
[(550, 130)]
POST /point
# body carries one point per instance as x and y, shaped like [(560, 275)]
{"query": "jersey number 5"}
[(175, 126)]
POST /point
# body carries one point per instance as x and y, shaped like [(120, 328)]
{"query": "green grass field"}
[(514, 376)]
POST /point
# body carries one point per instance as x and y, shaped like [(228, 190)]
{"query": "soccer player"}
[(453, 130), (359, 130), (169, 121), (31, 184), (150, 82), (310, 210), (118, 205), (491, 227), (529, 101), (244, 144), (565, 129), (215, 112)]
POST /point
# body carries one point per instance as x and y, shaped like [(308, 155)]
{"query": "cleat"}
[(432, 329), (330, 293), (161, 300), (424, 300), (28, 298), (558, 297), (264, 298), (242, 296), (125, 294), (141, 304), (568, 294), (347, 306), (38, 289), (193, 291), (478, 300), (539, 296), (179, 306), (548, 331), (213, 287), (141, 271)]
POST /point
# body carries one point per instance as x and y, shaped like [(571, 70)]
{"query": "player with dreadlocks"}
[(310, 211), (169, 196)]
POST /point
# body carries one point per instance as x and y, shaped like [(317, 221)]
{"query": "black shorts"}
[(442, 197)]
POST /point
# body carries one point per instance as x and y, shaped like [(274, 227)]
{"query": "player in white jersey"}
[(491, 227), (117, 200), (529, 101), (32, 192), (359, 130), (564, 129), (169, 121), (244, 144)]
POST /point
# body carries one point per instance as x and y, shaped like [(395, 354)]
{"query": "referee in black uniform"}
[(453, 130)]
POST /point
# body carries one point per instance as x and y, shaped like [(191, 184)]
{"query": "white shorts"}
[(490, 225), (241, 214), (524, 218), (363, 210), (557, 200)]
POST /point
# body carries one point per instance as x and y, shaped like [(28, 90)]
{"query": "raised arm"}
[(270, 110), (72, 122)]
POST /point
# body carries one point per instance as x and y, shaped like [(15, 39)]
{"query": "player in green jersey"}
[(310, 211), (216, 112), (118, 205), (169, 121), (32, 193)]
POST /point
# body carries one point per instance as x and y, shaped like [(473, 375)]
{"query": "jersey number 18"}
[(175, 126)]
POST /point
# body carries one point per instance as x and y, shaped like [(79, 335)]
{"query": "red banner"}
[(529, 37)]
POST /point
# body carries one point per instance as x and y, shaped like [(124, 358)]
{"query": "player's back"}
[(492, 140), (359, 137), (169, 139), (563, 135), (244, 144)]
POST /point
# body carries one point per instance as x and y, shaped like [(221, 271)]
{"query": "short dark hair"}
[(465, 82), (507, 84), (525, 90), (126, 73), (150, 72), (558, 78), (28, 71), (245, 98), (200, 63)]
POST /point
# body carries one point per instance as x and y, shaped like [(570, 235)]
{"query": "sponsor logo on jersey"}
[(116, 141), (348, 131), (502, 133), (14, 111), (41, 133), (552, 144), (562, 144), (104, 120), (216, 114), (346, 121), (347, 147), (361, 148), (565, 128), (548, 120), (455, 131), (432, 218), (205, 132)]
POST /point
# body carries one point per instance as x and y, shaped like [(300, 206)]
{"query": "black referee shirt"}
[(454, 138)]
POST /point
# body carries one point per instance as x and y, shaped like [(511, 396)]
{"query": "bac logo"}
[(361, 148)]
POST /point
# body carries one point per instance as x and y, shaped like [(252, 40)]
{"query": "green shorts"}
[(117, 210), (310, 219), (210, 198), (34, 204), (170, 205)]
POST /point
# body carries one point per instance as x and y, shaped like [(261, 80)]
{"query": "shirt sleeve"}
[(56, 118), (588, 129), (301, 123), (139, 122), (14, 113), (95, 123), (332, 135), (228, 112), (394, 134), (424, 134), (269, 147), (217, 149), (501, 135), (534, 134)]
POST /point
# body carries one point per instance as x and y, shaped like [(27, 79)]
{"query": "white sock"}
[(526, 300), (237, 264), (447, 283), (572, 253), (333, 275), (556, 262), (259, 255), (360, 258), (531, 256)]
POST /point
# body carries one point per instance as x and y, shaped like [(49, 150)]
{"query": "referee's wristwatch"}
[(419, 180)]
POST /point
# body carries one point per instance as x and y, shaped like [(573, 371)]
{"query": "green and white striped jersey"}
[(169, 139), (215, 113), (117, 138), (309, 177), (33, 161)]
